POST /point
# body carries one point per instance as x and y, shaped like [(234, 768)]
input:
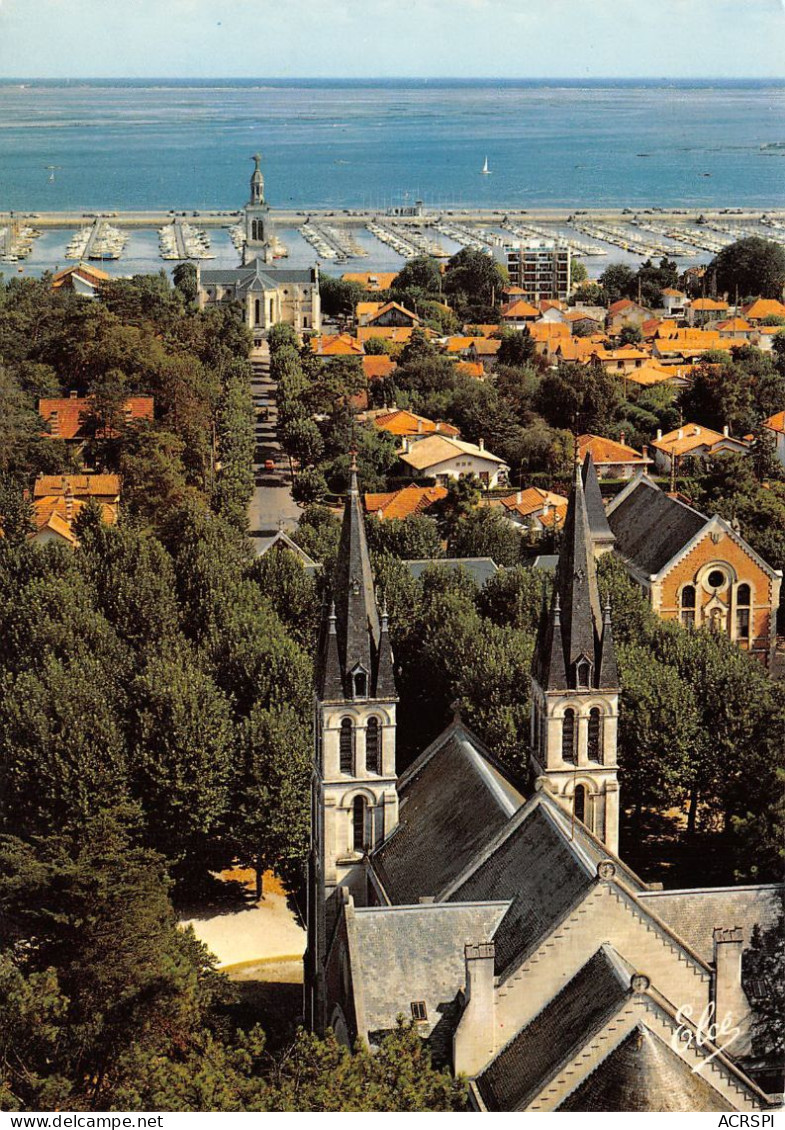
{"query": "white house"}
[(445, 458)]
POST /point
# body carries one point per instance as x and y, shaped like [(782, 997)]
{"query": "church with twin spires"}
[(495, 913)]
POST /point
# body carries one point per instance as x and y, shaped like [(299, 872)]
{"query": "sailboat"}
[(485, 170)]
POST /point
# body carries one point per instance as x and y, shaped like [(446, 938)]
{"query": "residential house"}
[(734, 330), (471, 369), (653, 373), (280, 542), (444, 458), (518, 313), (483, 350), (396, 335), (686, 345), (612, 459), (776, 425), (401, 422), (695, 569), (390, 314), (625, 312), (548, 336), (763, 308), (337, 345), (693, 441), (371, 280), (67, 416), (701, 311), (673, 302), (58, 499), (81, 278), (533, 509), (402, 503)]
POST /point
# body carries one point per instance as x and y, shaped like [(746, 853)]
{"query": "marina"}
[(135, 242)]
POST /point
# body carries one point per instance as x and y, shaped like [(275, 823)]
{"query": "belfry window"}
[(359, 679), (568, 735), (688, 606), (373, 746), (346, 746), (582, 673), (359, 822), (595, 734)]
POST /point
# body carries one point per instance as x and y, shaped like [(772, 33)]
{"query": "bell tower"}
[(575, 681), (258, 229), (354, 802)]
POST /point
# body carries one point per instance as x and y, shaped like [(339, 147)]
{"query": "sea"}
[(187, 144)]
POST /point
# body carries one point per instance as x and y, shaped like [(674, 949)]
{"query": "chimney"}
[(696, 430), (405, 444), (622, 438), (730, 1002), (419, 425), (74, 394), (474, 1041), (725, 430), (519, 497), (645, 453), (438, 425), (680, 433), (69, 505), (659, 433), (481, 444)]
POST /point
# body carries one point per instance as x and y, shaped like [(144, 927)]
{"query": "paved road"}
[(272, 506)]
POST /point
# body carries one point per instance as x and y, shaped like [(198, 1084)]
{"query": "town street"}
[(271, 507)]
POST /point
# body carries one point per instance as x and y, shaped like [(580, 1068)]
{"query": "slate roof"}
[(415, 953), (480, 569), (242, 277), (643, 1073), (452, 804), (651, 528), (694, 914), (523, 1067), (536, 868), (595, 508)]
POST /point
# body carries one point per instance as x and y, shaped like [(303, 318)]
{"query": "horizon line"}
[(393, 78)]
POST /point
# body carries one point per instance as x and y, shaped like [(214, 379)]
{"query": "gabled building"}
[(495, 911), (401, 422), (445, 457), (402, 503), (625, 312), (390, 314), (81, 278), (533, 509), (612, 460), (268, 295), (67, 416), (693, 441), (695, 569), (776, 425)]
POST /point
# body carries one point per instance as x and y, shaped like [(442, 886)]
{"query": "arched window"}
[(688, 606), (373, 746), (743, 612), (579, 803), (257, 317), (568, 735), (595, 734), (360, 684), (346, 742), (359, 837)]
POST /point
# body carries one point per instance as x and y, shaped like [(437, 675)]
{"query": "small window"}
[(743, 612), (582, 673), (579, 803), (346, 742), (419, 1011), (360, 684), (372, 746)]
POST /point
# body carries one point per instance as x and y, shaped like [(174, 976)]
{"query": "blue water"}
[(186, 144)]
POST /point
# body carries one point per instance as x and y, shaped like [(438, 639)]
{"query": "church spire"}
[(257, 181), (570, 650), (602, 535), (355, 653)]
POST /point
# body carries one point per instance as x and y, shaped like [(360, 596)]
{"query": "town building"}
[(69, 417), (495, 911), (533, 509), (693, 441), (694, 569), (267, 295), (445, 457), (403, 503), (701, 311), (81, 278), (401, 422), (58, 500), (612, 460), (625, 312), (539, 270)]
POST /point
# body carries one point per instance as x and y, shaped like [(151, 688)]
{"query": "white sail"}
[(485, 168)]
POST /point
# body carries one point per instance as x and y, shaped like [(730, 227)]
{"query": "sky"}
[(392, 38)]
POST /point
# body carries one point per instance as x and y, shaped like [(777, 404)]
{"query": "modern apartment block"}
[(541, 270)]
